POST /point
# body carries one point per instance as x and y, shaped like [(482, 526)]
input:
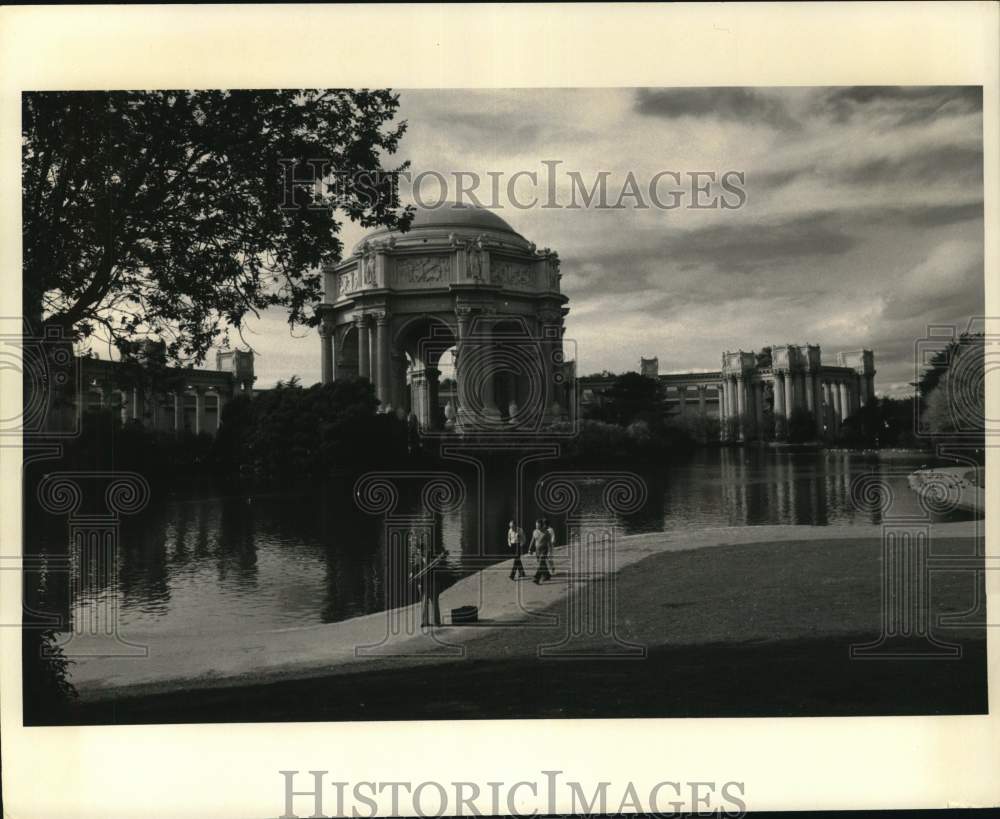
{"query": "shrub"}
[(48, 693)]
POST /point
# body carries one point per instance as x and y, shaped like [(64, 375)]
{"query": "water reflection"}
[(237, 561)]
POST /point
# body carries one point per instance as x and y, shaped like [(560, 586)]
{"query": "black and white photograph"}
[(390, 404), (368, 404)]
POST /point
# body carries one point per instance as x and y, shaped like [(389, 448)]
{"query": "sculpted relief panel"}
[(416, 271), (511, 274), (347, 283)]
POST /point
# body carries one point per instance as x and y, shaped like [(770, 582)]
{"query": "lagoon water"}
[(225, 560)]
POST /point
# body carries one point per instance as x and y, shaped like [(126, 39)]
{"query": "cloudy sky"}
[(862, 222)]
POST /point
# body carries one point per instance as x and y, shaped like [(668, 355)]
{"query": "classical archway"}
[(459, 278)]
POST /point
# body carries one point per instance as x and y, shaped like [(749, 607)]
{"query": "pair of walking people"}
[(543, 540)]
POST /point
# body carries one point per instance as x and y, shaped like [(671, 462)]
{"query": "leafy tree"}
[(957, 402), (881, 423), (941, 362), (173, 214), (634, 396), (291, 433), (801, 426), (48, 692)]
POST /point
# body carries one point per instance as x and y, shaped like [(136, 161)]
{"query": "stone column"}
[(419, 398), (137, 404), (845, 398), (178, 412), (779, 405), (382, 360), (327, 352), (432, 375), (199, 410), (818, 404), (701, 400), (490, 410), (463, 318), (810, 394), (741, 406), (364, 371), (397, 382), (758, 404), (550, 326), (107, 390), (730, 406), (682, 400), (838, 407), (827, 402), (221, 399), (789, 395), (721, 391)]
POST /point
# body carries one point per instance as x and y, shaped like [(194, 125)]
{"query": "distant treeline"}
[(288, 434)]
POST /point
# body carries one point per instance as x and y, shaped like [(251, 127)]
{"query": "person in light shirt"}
[(515, 542)]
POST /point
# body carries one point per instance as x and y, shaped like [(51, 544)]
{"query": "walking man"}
[(515, 542), (540, 542), (552, 545)]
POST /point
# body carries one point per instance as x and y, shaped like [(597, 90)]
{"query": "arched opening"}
[(517, 372), (419, 346), (347, 352)]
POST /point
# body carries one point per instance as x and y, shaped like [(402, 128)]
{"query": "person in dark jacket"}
[(540, 545), (515, 542)]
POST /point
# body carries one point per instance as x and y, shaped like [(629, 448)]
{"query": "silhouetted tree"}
[(47, 690), (633, 396), (941, 361), (172, 215), (294, 433), (956, 405), (801, 426)]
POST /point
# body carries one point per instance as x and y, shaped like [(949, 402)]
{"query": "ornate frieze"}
[(510, 273), (347, 283), (412, 270)]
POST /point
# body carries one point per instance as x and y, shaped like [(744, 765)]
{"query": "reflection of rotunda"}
[(459, 278)]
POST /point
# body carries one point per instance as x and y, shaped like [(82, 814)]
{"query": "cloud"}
[(744, 105), (863, 222), (942, 215), (926, 165), (904, 104), (948, 280)]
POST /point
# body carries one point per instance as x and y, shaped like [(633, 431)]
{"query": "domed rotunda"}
[(460, 278)]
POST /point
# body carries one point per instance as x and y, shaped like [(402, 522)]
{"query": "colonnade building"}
[(185, 400), (784, 379), (755, 394)]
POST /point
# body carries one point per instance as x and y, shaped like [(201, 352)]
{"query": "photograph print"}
[(387, 404)]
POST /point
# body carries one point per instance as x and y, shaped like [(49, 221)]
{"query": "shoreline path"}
[(729, 584)]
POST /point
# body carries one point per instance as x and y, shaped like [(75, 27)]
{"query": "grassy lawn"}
[(751, 630)]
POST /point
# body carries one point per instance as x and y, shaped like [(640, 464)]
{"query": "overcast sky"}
[(862, 222)]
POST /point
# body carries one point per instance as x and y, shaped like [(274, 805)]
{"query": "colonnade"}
[(484, 377), (375, 360), (699, 399), (164, 411), (831, 397)]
